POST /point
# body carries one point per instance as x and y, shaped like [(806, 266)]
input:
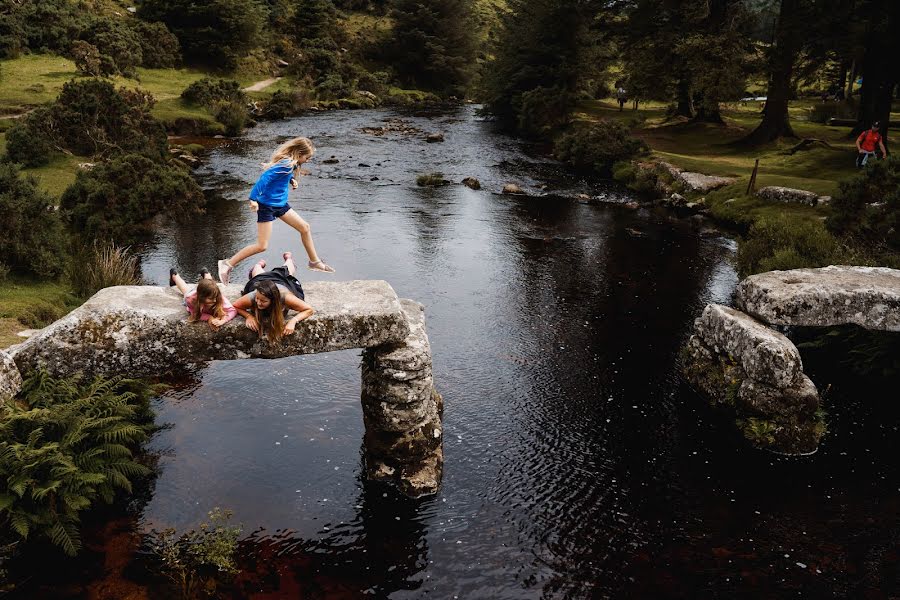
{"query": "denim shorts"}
[(270, 213)]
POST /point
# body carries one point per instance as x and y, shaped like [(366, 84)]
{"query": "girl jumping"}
[(269, 200), (267, 297), (205, 302)]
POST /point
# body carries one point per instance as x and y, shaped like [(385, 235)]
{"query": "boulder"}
[(512, 188), (471, 182), (431, 138), (697, 182), (774, 193), (10, 378), (143, 331), (865, 296), (330, 161)]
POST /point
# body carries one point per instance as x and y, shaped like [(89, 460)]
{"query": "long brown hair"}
[(271, 320), (206, 290), (293, 150)]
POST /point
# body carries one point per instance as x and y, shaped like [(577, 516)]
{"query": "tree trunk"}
[(685, 106), (852, 79), (776, 122)]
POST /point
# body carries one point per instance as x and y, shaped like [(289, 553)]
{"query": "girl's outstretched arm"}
[(242, 305), (304, 311)]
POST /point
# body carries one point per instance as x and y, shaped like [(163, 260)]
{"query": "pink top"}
[(230, 311)]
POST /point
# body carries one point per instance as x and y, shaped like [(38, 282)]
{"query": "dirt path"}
[(261, 85)]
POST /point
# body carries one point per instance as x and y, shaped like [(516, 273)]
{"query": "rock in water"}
[(512, 188), (825, 297), (431, 138), (471, 182), (10, 379)]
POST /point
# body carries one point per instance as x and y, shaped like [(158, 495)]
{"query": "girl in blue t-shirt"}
[(269, 200)]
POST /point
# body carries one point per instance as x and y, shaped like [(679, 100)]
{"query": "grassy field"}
[(25, 303), (711, 149)]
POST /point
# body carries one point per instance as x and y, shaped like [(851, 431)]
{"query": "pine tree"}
[(315, 20), (434, 45)]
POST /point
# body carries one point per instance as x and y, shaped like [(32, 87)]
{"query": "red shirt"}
[(868, 139)]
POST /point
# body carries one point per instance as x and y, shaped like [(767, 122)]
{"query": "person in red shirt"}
[(866, 143)]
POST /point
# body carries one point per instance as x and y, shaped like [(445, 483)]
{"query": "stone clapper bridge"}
[(735, 358), (142, 331)]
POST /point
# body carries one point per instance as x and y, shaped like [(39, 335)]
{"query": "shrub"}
[(215, 32), (90, 117), (28, 142), (543, 110), (87, 58), (784, 242), (64, 445), (116, 41), (597, 147), (45, 26), (317, 63), (32, 237), (159, 46), (102, 265), (116, 200), (333, 87), (867, 207), (285, 104), (233, 115), (208, 92), (199, 558)]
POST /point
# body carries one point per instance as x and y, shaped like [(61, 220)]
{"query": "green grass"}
[(32, 80), (56, 176), (711, 149), (36, 302)]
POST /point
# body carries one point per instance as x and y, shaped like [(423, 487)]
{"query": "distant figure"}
[(622, 97), (866, 143)]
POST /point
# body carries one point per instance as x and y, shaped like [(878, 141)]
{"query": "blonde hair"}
[(293, 150), (206, 290)]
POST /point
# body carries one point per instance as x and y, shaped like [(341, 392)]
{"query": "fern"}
[(66, 445)]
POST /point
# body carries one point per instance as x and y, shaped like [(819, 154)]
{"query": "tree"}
[(315, 20), (119, 46), (880, 69), (32, 239), (538, 48), (216, 33), (434, 45), (159, 46), (116, 201)]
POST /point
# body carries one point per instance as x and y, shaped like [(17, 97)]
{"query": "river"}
[(577, 463)]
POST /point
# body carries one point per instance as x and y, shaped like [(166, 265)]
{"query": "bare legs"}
[(294, 220), (181, 285), (263, 233)]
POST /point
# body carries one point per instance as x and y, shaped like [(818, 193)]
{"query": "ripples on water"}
[(577, 464)]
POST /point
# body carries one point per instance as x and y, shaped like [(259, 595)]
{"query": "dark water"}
[(577, 463)]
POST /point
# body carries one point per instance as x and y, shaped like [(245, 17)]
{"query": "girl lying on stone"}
[(267, 297), (205, 301)]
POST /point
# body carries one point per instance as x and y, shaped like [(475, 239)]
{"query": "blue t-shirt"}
[(272, 186)]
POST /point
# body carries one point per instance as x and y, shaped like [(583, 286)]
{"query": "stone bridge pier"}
[(142, 331), (736, 358)]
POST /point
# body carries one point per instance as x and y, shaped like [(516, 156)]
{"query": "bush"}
[(543, 110), (87, 58), (64, 445), (285, 104), (32, 237), (89, 117), (784, 242), (598, 147), (199, 558), (867, 207), (118, 42), (208, 92), (333, 87), (102, 265), (116, 201), (45, 26), (233, 115), (28, 142), (159, 46), (216, 33)]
